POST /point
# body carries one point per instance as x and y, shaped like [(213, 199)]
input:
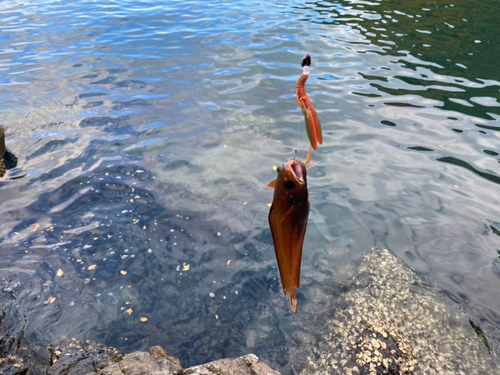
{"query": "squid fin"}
[(312, 120), (319, 131), (309, 131), (307, 120), (272, 184)]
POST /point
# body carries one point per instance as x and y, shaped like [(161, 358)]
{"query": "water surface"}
[(146, 134)]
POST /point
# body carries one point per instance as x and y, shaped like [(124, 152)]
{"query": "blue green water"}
[(142, 128)]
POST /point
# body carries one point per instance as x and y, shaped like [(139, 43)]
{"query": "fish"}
[(288, 221), (313, 125)]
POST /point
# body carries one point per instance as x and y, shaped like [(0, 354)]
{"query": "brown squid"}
[(288, 220)]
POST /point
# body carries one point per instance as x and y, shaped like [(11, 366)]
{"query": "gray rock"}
[(72, 357), (216, 173), (11, 356), (390, 321), (247, 365), (250, 124), (155, 361), (15, 356), (384, 319)]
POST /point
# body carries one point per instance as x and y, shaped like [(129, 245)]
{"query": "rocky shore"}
[(72, 357), (384, 318)]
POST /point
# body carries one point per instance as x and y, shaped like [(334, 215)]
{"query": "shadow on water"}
[(490, 177), (112, 245), (117, 266)]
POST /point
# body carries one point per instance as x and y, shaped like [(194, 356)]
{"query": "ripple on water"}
[(147, 132)]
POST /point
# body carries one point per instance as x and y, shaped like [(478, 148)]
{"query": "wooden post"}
[(2, 151), (2, 142)]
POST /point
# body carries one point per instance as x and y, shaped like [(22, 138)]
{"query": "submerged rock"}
[(389, 321), (252, 124), (217, 172)]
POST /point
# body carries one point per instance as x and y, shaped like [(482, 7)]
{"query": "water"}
[(142, 128)]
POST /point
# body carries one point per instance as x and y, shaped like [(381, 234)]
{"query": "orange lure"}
[(288, 220), (313, 125)]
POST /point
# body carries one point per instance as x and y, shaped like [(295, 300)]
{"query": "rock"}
[(72, 357), (387, 306), (384, 319), (215, 173), (251, 124), (11, 357), (155, 361), (15, 356), (247, 365), (69, 356)]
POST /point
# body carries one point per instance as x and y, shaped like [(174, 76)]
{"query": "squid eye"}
[(289, 185)]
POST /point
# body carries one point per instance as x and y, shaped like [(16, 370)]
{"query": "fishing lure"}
[(313, 125)]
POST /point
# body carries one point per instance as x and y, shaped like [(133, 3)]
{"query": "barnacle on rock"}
[(390, 322)]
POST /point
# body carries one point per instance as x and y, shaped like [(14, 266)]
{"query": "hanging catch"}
[(288, 221)]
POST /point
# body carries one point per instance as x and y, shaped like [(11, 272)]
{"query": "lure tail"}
[(313, 124)]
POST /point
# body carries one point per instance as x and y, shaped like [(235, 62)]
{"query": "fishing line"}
[(297, 141), (306, 61)]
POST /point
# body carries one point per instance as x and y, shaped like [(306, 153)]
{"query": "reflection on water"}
[(142, 129)]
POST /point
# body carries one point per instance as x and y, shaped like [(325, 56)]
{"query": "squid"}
[(288, 221)]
